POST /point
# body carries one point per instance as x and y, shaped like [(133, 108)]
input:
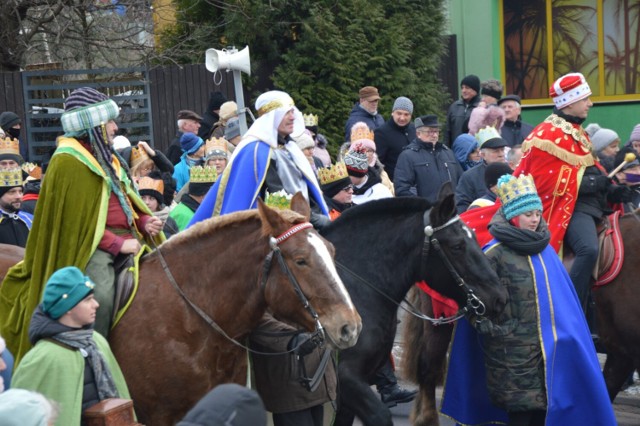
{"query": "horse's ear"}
[(299, 204), (445, 208), (272, 222)]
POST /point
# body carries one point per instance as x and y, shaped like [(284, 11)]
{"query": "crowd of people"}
[(528, 191)]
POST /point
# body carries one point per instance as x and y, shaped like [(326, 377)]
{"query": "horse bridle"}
[(473, 303), (318, 335)]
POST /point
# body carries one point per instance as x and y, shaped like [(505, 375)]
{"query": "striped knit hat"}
[(86, 108)]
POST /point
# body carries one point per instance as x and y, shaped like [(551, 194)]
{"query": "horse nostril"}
[(347, 333)]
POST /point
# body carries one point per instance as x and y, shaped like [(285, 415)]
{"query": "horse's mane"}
[(208, 227), (386, 206)]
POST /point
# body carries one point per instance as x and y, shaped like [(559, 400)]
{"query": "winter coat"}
[(277, 377), (470, 187), (360, 114), (390, 141), (423, 168), (513, 355), (174, 152), (458, 119), (515, 132)]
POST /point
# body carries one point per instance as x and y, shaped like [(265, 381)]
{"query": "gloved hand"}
[(319, 221), (594, 184), (619, 194), (302, 344)]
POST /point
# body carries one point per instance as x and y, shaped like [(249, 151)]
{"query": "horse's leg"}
[(430, 373), (617, 369), (357, 398)]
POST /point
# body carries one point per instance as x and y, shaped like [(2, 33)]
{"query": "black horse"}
[(382, 249)]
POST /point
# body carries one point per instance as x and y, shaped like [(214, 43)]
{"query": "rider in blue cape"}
[(535, 364), (266, 159)]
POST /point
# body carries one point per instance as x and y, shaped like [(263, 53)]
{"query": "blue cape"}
[(239, 186), (576, 392)]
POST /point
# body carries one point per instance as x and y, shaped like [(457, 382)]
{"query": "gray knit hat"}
[(602, 138), (404, 104)]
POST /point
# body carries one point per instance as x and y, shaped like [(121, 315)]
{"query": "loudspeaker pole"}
[(237, 84)]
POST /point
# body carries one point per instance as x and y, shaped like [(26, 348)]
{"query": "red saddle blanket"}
[(611, 254)]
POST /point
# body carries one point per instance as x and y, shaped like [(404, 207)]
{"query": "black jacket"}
[(458, 119), (423, 168), (360, 114), (514, 132), (390, 141), (470, 187)]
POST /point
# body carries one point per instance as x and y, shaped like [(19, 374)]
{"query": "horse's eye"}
[(301, 262), (458, 247)]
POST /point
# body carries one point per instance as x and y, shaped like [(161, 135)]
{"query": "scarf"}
[(523, 241), (83, 341)]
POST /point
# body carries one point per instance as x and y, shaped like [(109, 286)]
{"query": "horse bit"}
[(318, 336), (473, 303)]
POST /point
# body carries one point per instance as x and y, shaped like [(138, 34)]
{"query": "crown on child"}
[(361, 132), (10, 177), (310, 120), (33, 170), (138, 155), (216, 146), (331, 174), (9, 145), (203, 174), (152, 184), (278, 200)]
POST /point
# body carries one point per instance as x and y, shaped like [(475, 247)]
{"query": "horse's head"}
[(456, 255), (309, 274)]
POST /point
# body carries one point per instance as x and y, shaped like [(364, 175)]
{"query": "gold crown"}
[(363, 132), (216, 146), (33, 170), (203, 174), (10, 177), (9, 146), (510, 188), (152, 184), (138, 155), (278, 200), (310, 120), (332, 174)]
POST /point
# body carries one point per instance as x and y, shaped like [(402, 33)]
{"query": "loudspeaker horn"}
[(228, 59)]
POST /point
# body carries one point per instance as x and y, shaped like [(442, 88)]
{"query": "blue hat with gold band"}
[(518, 195), (64, 290)]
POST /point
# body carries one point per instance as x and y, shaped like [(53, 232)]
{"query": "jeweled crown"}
[(310, 120), (138, 155), (10, 177), (33, 170), (278, 200), (510, 188), (358, 132), (331, 174), (146, 182), (203, 174), (9, 145), (216, 146)]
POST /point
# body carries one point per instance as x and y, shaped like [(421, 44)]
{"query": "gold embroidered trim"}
[(567, 128), (553, 149), (275, 104)]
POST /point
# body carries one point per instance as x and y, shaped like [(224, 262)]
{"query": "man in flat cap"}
[(365, 110), (188, 122)]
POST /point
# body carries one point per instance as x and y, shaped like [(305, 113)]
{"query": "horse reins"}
[(473, 302), (273, 244)]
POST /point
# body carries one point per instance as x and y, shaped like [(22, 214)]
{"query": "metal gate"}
[(45, 91)]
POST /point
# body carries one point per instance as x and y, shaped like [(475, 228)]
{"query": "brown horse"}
[(618, 326), (171, 356)]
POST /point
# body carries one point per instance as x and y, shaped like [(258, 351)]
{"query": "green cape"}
[(57, 372), (69, 222)]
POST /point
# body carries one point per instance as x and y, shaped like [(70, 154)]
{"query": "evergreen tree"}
[(323, 51)]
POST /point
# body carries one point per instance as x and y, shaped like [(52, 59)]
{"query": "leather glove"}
[(594, 184), (302, 344), (619, 194)]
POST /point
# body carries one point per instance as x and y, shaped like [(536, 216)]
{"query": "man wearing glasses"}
[(426, 163), (366, 110)]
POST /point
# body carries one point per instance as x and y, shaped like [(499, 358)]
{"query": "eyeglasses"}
[(347, 188), (431, 131)]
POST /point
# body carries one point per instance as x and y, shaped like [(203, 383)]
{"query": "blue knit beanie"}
[(190, 143), (64, 290), (518, 195)]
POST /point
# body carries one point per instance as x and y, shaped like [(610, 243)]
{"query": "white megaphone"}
[(228, 59)]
